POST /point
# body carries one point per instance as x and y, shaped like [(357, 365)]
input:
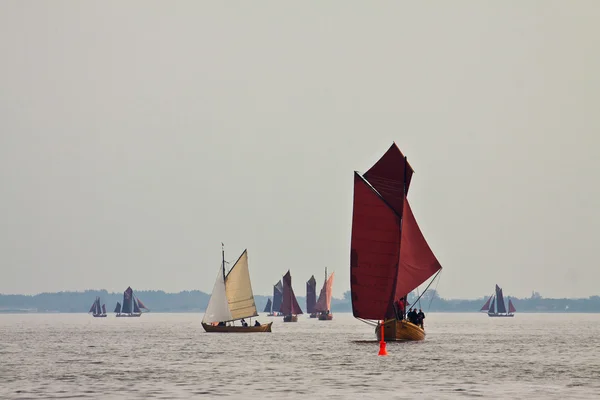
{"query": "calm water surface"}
[(168, 356)]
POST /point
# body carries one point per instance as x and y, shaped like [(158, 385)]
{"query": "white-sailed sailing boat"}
[(232, 300)]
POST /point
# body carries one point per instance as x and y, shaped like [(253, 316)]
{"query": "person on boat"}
[(256, 323), (243, 322), (221, 323), (401, 308), (420, 318)]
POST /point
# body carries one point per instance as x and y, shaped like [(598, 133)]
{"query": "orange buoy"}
[(382, 349)]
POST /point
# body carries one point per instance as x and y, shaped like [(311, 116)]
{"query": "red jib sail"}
[(289, 303), (511, 308), (389, 256), (486, 306)]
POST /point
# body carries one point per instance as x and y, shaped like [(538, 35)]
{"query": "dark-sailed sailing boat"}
[(389, 256), (497, 299), (132, 306), (289, 305), (277, 297), (323, 306), (268, 307), (311, 296), (232, 299), (97, 310)]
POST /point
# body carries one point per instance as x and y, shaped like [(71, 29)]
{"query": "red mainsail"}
[(389, 256), (289, 303)]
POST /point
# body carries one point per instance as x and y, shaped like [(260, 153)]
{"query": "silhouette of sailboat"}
[(97, 310), (132, 306), (495, 306)]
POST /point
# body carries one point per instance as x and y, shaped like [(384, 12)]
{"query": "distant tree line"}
[(196, 301)]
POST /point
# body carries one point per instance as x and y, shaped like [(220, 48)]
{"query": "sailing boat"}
[(289, 305), (501, 311), (232, 299), (389, 257), (323, 305), (311, 296), (277, 297), (97, 310), (132, 306)]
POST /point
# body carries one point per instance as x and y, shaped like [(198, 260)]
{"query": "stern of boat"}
[(395, 330)]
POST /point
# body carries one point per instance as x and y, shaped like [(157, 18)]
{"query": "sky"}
[(136, 137)]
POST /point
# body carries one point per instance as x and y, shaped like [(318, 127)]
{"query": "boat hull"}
[(328, 317), (395, 330), (128, 315), (237, 329), (313, 315), (274, 315), (100, 316), (290, 318), (501, 315)]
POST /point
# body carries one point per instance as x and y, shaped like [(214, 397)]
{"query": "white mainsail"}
[(218, 307), (231, 298), (239, 290)]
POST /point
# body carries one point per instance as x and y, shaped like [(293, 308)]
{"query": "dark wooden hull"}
[(237, 329), (327, 317), (290, 318), (128, 315), (395, 330), (99, 315), (501, 315), (313, 315)]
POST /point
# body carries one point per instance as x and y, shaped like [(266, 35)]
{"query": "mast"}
[(223, 254)]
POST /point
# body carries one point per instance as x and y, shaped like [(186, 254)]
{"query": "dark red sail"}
[(486, 306), (388, 176), (417, 261), (374, 252), (311, 294), (289, 303), (511, 308)]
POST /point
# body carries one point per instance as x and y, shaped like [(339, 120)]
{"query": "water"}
[(168, 356)]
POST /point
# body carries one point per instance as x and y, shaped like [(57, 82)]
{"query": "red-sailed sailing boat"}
[(389, 256), (323, 305), (289, 305), (491, 309)]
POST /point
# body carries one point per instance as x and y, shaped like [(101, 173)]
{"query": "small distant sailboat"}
[(97, 310), (289, 305), (269, 306), (389, 257), (277, 297), (232, 299), (132, 306), (311, 297), (323, 306), (495, 306)]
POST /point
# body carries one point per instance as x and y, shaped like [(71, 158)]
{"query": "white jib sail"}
[(218, 307)]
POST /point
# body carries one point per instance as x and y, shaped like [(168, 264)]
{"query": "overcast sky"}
[(136, 137)]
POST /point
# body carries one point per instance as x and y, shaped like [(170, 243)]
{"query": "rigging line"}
[(431, 300), (367, 321), (440, 270)]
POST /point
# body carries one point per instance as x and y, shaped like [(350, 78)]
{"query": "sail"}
[(98, 308), (374, 252), (289, 304), (500, 300), (118, 308), (218, 308), (93, 308), (486, 306), (127, 301), (239, 289), (277, 296), (417, 261), (324, 302), (511, 308), (311, 294), (268, 306), (391, 177), (103, 308), (492, 307), (136, 308), (141, 305)]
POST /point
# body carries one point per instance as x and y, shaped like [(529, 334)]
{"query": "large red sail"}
[(374, 253), (389, 177), (417, 261), (324, 302), (289, 303)]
